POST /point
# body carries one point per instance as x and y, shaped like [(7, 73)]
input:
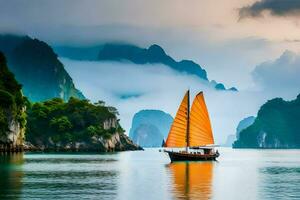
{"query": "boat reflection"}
[(11, 175), (191, 180)]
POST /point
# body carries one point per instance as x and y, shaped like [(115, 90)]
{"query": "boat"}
[(191, 132)]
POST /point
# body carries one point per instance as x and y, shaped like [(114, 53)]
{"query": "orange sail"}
[(200, 132), (178, 131)]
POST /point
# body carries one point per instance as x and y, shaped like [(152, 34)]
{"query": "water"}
[(238, 174)]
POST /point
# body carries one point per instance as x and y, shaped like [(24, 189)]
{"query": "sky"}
[(201, 30), (250, 44)]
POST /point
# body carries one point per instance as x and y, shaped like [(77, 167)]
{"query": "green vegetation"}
[(57, 123), (277, 126), (12, 101)]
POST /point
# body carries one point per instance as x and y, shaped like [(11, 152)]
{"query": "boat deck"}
[(191, 156)]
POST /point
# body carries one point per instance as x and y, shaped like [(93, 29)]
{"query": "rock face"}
[(117, 142), (150, 127), (12, 110), (37, 68), (276, 126)]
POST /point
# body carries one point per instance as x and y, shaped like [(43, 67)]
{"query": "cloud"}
[(158, 87), (281, 76), (275, 7)]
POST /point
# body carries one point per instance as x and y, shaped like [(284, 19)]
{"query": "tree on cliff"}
[(55, 122), (12, 102)]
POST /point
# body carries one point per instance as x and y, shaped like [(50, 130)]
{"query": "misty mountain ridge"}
[(37, 68), (137, 55)]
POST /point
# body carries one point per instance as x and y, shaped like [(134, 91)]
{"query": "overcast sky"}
[(229, 37), (248, 44)]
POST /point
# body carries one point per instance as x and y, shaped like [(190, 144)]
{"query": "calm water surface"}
[(238, 174)]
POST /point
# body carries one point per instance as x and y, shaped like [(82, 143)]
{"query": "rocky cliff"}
[(12, 110), (277, 125), (37, 68)]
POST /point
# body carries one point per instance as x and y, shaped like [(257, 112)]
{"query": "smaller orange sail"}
[(178, 131), (200, 127)]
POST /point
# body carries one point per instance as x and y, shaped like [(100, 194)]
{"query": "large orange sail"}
[(200, 133), (178, 131)]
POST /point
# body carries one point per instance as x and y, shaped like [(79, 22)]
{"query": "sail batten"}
[(200, 127), (178, 131), (191, 127)]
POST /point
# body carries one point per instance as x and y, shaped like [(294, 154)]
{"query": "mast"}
[(188, 122)]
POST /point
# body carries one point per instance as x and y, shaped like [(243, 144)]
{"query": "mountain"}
[(277, 125), (12, 110), (37, 68), (229, 141), (76, 125), (147, 135), (78, 53), (154, 54), (150, 127), (243, 124), (132, 53)]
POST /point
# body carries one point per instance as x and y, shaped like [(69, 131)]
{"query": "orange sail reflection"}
[(192, 180)]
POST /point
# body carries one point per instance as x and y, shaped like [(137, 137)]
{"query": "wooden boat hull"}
[(179, 156)]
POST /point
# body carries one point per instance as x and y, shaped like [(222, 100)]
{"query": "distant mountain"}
[(37, 68), (147, 135), (78, 53), (243, 124), (128, 52), (277, 125), (150, 127), (154, 54), (229, 141)]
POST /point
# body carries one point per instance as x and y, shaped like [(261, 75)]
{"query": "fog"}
[(130, 88)]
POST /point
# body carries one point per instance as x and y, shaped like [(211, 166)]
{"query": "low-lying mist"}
[(130, 88)]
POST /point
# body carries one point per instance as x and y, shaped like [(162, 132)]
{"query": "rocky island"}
[(276, 126), (55, 124), (76, 125)]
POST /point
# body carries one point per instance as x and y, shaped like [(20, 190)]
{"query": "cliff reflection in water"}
[(11, 175), (191, 180)]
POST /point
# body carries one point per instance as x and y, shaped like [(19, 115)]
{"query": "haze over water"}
[(238, 174)]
